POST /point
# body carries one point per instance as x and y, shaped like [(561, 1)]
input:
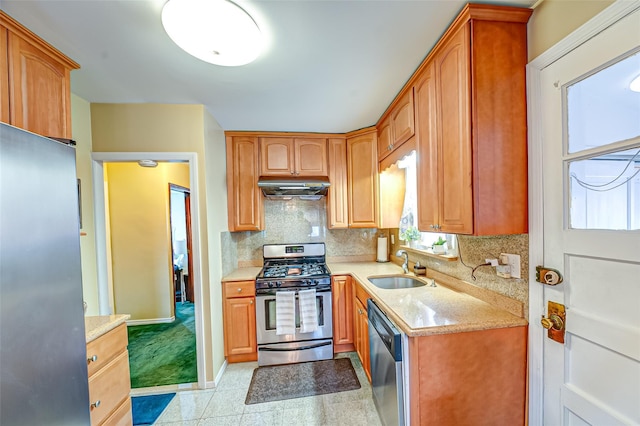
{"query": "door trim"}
[(104, 298), (591, 28)]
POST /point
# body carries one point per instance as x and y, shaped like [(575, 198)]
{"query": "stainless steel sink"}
[(396, 281)]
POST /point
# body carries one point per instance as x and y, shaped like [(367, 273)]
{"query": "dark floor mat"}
[(278, 382)]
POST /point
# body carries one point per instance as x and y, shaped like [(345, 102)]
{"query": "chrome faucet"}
[(405, 265)]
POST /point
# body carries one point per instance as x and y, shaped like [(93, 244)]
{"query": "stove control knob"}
[(279, 283), (270, 284)]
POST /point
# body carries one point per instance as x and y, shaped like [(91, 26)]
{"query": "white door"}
[(590, 211)]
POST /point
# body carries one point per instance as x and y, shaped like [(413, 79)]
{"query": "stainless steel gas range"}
[(292, 278)]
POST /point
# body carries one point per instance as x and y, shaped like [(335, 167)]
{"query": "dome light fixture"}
[(216, 31), (147, 163), (635, 84)]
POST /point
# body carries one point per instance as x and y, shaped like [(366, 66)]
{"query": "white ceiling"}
[(331, 65)]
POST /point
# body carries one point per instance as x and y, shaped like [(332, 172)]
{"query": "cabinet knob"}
[(239, 290), (251, 302), (93, 358), (95, 404)]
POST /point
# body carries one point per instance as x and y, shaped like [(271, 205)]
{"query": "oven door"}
[(266, 319)]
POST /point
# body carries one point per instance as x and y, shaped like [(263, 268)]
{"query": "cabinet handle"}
[(92, 359), (95, 404), (239, 290), (251, 302), (432, 226), (293, 172)]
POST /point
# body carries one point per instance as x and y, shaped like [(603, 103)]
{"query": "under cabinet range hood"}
[(306, 189)]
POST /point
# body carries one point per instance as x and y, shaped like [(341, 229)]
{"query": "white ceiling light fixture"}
[(147, 163), (635, 84), (215, 31)]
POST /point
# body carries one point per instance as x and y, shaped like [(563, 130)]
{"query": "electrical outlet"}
[(513, 261)]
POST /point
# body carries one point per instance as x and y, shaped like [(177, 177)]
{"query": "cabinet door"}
[(4, 80), (310, 157), (362, 181), (454, 120), (385, 144), (361, 324), (427, 160), (39, 90), (337, 196), (402, 119), (342, 295), (240, 326), (243, 195), (276, 157)]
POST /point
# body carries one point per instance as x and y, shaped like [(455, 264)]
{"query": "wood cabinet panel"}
[(362, 162), (402, 119), (361, 325), (453, 90), (107, 348), (337, 210), (243, 195), (281, 156), (342, 295), (471, 126), (385, 139), (455, 380), (276, 157), (427, 151), (109, 378), (4, 77), (240, 340), (310, 157), (35, 90)]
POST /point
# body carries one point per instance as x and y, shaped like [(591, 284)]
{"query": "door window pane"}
[(602, 108), (605, 191)]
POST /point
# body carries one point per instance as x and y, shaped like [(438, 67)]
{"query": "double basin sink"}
[(396, 281)]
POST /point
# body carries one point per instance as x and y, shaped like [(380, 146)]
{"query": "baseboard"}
[(151, 321), (218, 376)]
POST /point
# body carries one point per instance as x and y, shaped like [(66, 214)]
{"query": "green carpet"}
[(164, 354)]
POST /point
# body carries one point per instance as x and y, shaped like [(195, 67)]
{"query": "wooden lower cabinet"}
[(342, 295), (473, 378), (361, 328), (109, 378), (240, 343)]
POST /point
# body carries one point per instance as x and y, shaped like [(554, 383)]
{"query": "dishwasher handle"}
[(383, 327)]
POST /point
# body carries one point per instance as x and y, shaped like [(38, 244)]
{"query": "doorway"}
[(103, 243), (584, 194)]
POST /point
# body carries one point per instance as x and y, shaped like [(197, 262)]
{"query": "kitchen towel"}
[(285, 312), (308, 311), (383, 253)]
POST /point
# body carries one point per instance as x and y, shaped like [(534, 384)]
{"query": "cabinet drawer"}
[(111, 386), (362, 295), (122, 416), (106, 347), (239, 289)]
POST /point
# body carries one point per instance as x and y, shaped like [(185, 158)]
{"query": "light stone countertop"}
[(419, 311), (96, 326)]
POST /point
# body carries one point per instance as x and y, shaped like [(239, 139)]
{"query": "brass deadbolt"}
[(554, 321)]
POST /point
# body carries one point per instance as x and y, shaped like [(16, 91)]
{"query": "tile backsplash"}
[(296, 221), (302, 221)]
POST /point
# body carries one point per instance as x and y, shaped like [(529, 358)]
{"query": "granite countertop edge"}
[(96, 326), (469, 312)]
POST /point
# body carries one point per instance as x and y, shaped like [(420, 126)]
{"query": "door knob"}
[(552, 322)]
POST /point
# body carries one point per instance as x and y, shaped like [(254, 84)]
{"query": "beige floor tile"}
[(226, 403), (221, 421), (181, 423), (265, 418), (188, 405), (237, 376)]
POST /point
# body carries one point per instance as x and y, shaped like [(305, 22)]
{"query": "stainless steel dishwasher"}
[(385, 346)]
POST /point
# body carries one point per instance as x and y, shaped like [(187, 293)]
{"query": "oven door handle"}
[(272, 293), (301, 348)]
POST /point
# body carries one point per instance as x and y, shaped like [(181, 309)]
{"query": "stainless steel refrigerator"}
[(43, 364)]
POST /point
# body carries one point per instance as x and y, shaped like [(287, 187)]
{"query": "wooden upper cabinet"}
[(39, 94), (243, 195), (397, 126), (471, 126), (282, 156), (362, 166), (337, 211), (4, 81)]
